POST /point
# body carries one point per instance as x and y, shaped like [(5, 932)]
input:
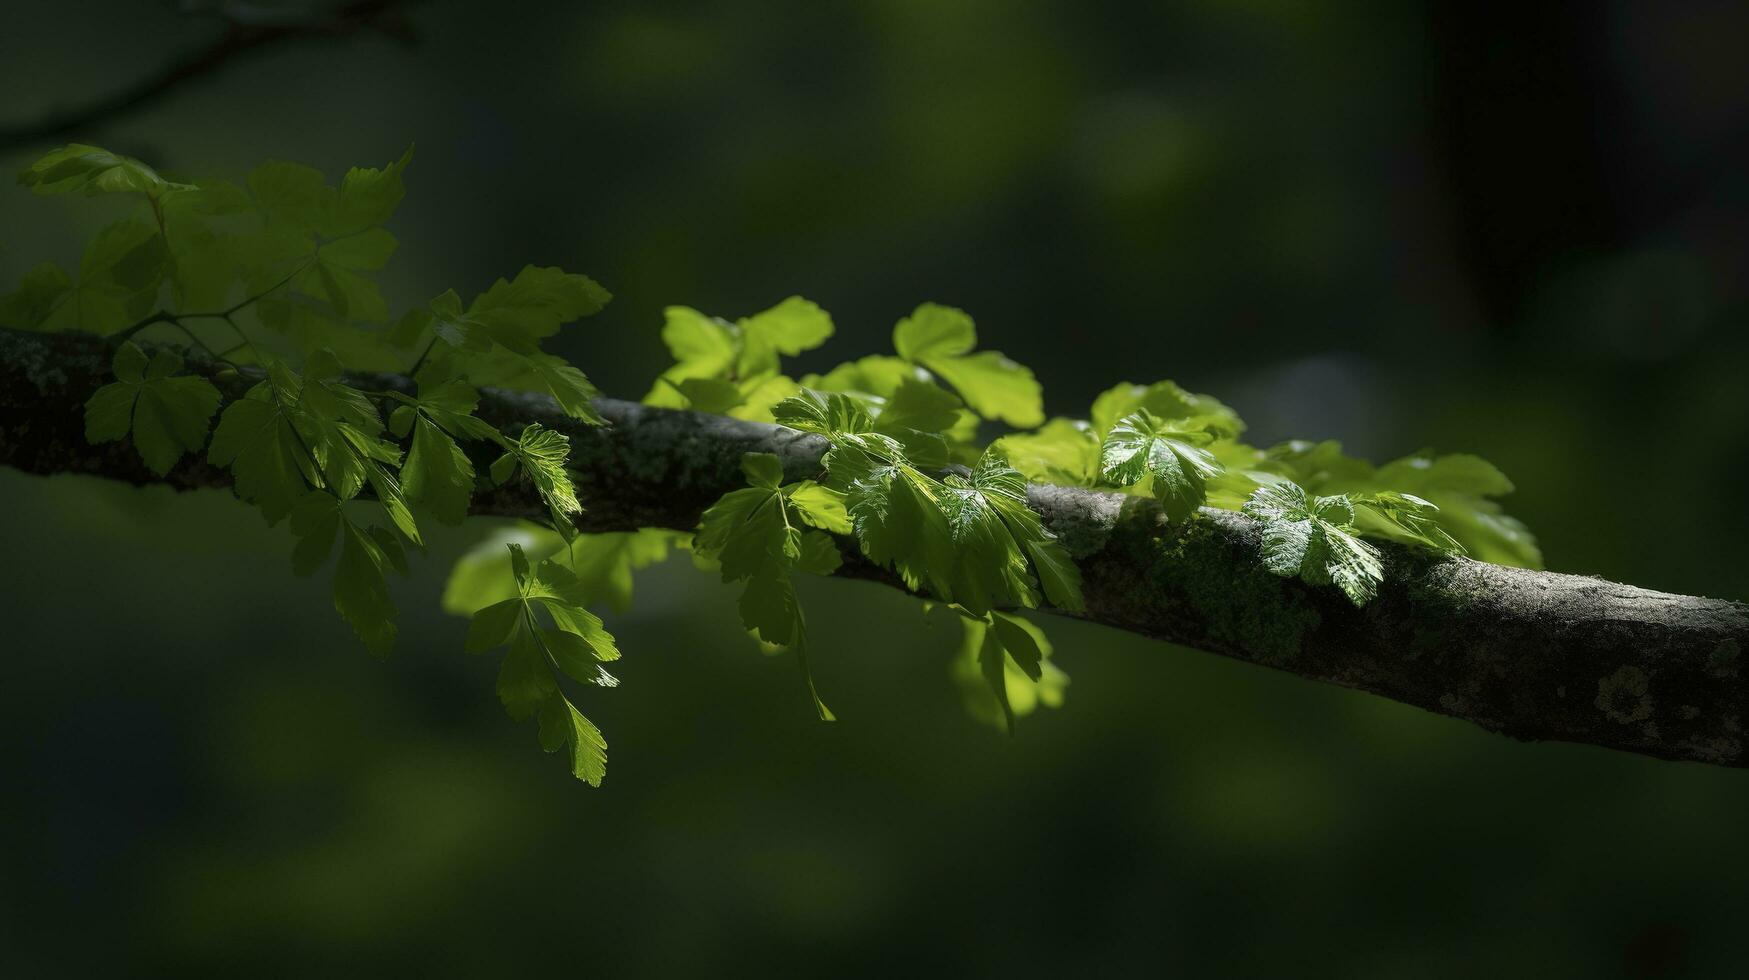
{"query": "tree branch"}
[(1534, 655), (248, 29)]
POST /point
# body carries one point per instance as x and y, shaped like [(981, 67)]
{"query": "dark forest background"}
[(1518, 230)]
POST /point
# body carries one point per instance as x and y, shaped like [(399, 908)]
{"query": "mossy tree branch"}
[(1534, 655)]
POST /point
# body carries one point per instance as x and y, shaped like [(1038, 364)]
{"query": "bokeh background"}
[(1519, 230)]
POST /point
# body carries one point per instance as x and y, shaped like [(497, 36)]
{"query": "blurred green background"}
[(1515, 230)]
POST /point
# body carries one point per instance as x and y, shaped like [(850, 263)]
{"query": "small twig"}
[(245, 33)]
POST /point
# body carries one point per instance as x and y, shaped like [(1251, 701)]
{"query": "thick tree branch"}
[(1534, 655), (248, 29)]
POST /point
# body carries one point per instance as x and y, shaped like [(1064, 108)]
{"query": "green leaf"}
[(120, 278), (1165, 400), (791, 327), (1314, 539), (167, 415), (525, 678), (361, 591), (361, 585), (703, 346), (353, 295), (540, 453), (492, 626), (993, 667), (293, 197), (875, 376), (762, 469), (988, 568), (562, 726), (1064, 451), (1461, 487), (367, 197), (941, 338), (1172, 452), (920, 406), (820, 506), (709, 394), (819, 554), (723, 366), (255, 438), (1004, 489), (1021, 640), (933, 331), (437, 474), (315, 522), (1022, 691), (755, 535), (896, 515), (827, 414), (517, 313), (1406, 516), (746, 530), (80, 167), (535, 371), (527, 683)]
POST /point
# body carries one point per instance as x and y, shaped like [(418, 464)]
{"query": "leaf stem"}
[(420, 360)]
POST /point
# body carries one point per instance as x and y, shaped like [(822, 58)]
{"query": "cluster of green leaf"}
[(762, 535), (734, 368), (970, 541), (575, 645), (1184, 449), (273, 279)]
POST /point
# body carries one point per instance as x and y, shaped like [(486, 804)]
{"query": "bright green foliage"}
[(1171, 453), (1004, 490), (761, 535), (1314, 539), (1462, 487), (539, 454), (575, 645), (969, 541), (168, 415), (1407, 517), (735, 368), (496, 340), (437, 474), (1063, 451), (275, 277), (941, 338), (1164, 400), (289, 252), (1003, 669)]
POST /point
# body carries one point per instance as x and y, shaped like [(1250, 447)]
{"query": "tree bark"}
[(1533, 655)]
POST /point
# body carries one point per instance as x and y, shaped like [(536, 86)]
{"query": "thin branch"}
[(246, 33), (1534, 655)]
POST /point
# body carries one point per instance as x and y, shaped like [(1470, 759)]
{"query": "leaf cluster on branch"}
[(273, 278)]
